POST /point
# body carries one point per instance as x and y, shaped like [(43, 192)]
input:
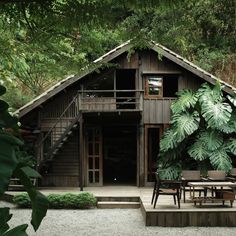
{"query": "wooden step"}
[(118, 199), (120, 205)]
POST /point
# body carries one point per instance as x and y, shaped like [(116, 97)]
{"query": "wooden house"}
[(102, 128)]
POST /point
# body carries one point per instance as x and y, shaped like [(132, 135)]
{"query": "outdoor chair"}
[(232, 175), (190, 176), (216, 175), (166, 187)]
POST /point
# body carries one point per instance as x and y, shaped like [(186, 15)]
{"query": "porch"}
[(166, 214)]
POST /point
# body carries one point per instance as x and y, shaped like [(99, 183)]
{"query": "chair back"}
[(216, 174), (191, 174), (233, 171)]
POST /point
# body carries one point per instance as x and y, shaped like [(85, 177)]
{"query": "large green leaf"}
[(185, 124), (170, 173), (185, 100), (208, 93), (17, 231), (8, 160), (38, 200), (216, 114), (231, 146), (198, 151), (5, 216), (168, 141), (220, 159), (211, 139)]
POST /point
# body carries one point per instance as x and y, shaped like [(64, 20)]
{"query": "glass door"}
[(94, 156)]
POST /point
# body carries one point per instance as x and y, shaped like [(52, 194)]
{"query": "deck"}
[(165, 214)]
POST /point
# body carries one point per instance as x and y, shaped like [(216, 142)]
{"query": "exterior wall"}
[(64, 171)]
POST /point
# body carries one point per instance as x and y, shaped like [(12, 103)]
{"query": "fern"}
[(185, 100)]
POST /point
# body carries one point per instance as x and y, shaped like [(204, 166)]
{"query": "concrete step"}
[(120, 205)]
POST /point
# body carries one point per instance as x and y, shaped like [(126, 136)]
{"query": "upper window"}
[(154, 86), (158, 86)]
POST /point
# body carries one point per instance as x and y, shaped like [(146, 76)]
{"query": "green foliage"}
[(11, 165), (5, 216), (206, 128), (186, 100), (82, 200)]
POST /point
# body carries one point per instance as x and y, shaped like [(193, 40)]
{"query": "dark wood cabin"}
[(103, 128)]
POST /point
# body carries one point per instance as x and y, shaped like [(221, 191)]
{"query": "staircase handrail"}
[(59, 119)]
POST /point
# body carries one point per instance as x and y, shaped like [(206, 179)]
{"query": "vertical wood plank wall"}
[(65, 167)]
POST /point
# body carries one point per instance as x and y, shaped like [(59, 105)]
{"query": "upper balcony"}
[(110, 100)]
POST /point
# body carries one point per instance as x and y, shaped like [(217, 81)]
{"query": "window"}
[(158, 86), (154, 86)]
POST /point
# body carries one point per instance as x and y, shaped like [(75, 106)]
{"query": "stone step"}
[(119, 205)]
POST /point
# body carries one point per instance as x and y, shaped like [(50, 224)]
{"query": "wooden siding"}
[(151, 62), (127, 62), (189, 81), (157, 111), (65, 166)]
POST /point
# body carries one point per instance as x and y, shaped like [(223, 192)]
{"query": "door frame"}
[(86, 162), (146, 127)]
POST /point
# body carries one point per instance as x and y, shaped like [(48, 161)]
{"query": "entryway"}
[(119, 155)]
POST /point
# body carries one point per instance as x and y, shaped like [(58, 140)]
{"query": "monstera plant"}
[(202, 131), (11, 164)]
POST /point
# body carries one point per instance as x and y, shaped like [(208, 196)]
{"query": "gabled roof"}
[(110, 56)]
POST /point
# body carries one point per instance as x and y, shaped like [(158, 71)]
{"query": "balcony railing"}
[(111, 100)]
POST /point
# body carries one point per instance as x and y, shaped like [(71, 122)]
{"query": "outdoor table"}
[(223, 194)]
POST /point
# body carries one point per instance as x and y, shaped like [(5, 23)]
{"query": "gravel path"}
[(112, 222)]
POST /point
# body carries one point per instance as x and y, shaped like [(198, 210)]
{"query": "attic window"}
[(154, 86)]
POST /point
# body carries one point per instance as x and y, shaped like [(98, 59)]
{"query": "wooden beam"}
[(81, 156)]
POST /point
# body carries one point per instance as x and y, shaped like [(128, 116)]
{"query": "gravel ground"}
[(112, 222)]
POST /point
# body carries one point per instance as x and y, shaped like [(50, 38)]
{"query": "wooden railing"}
[(58, 132), (111, 100)]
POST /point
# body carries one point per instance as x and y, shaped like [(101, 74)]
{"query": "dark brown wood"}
[(81, 148)]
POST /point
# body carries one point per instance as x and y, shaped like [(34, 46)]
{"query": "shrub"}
[(22, 200), (82, 200)]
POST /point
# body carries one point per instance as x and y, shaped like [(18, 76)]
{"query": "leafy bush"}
[(60, 201), (22, 200)]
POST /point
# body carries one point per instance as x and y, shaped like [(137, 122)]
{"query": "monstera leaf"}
[(168, 141), (185, 124), (231, 146), (211, 139), (220, 159), (186, 99), (198, 151), (216, 114)]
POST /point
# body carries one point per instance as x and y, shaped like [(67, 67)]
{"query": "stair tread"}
[(117, 203)]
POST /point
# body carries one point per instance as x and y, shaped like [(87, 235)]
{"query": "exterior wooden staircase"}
[(58, 134)]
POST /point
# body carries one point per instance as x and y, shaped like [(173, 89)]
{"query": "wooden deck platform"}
[(166, 214)]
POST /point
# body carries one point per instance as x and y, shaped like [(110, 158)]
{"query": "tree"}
[(13, 163), (202, 131)]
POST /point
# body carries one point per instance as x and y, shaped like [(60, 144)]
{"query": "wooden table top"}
[(212, 184)]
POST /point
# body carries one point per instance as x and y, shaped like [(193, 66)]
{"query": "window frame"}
[(147, 94)]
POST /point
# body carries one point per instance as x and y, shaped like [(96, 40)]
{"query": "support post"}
[(81, 148)]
